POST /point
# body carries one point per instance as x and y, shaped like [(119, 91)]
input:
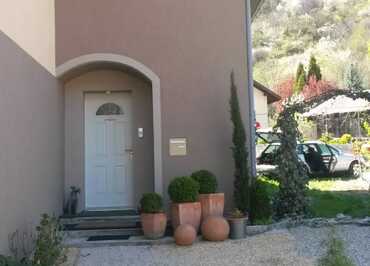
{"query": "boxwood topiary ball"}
[(151, 203), (183, 189), (207, 181)]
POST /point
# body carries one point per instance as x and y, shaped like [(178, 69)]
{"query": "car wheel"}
[(354, 169)]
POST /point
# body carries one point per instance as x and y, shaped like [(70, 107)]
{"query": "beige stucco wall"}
[(31, 141), (100, 81), (192, 46), (31, 24), (261, 107)]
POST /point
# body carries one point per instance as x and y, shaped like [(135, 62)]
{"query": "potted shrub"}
[(238, 222), (153, 218), (212, 203), (185, 209)]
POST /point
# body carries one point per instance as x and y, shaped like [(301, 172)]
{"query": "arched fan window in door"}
[(109, 109)]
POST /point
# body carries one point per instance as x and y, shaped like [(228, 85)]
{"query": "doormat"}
[(108, 237)]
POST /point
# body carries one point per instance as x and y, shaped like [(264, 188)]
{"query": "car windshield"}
[(271, 149)]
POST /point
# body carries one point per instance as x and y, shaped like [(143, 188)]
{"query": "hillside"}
[(286, 32)]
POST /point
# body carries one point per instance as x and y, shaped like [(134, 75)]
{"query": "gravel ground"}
[(297, 246)]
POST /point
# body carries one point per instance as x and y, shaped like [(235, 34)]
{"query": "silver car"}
[(331, 159)]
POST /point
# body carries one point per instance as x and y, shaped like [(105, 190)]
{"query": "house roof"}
[(271, 95)]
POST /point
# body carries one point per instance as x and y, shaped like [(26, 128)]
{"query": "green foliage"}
[(335, 255), (345, 139), (354, 80), (207, 181), (151, 203), (49, 250), (237, 214), (326, 138), (261, 202), (314, 69), (299, 84), (335, 34), (366, 126), (9, 261), (291, 200), (183, 189), (240, 153)]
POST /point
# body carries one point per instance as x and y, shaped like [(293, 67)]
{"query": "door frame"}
[(83, 63), (84, 151)]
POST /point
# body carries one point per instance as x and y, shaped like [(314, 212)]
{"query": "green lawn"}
[(326, 203)]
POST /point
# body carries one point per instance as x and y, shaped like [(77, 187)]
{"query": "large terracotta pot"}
[(186, 213), (154, 224), (212, 204)]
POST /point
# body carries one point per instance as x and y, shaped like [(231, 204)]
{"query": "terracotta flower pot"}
[(186, 213), (212, 204), (154, 224)]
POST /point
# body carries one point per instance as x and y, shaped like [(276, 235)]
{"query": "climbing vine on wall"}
[(291, 200)]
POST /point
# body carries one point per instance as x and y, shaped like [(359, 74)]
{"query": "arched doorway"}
[(108, 67)]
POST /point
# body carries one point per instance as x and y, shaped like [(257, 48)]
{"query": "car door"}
[(329, 158)]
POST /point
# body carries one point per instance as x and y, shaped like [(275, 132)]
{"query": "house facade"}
[(115, 98), (263, 97)]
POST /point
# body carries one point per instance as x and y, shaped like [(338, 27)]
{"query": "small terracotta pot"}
[(154, 224), (212, 204), (186, 213)]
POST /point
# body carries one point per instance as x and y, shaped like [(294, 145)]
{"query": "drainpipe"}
[(251, 111)]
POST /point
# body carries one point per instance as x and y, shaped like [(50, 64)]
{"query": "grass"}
[(335, 255), (326, 203)]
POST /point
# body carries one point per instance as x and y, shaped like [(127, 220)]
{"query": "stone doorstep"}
[(100, 232), (132, 241), (76, 220)]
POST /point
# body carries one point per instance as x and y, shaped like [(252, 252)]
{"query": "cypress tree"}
[(353, 79), (300, 71), (300, 83), (314, 69), (240, 153)]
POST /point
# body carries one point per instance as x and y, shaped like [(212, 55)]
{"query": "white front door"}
[(108, 150)]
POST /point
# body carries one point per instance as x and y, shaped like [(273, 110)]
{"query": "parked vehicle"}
[(317, 158)]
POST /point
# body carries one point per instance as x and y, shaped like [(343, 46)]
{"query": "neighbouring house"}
[(116, 98), (263, 97)]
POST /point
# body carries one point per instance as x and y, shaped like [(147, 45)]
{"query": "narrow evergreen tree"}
[(314, 69), (353, 79), (299, 84), (240, 153), (300, 71)]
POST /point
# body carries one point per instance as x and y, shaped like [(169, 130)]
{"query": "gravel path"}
[(297, 246)]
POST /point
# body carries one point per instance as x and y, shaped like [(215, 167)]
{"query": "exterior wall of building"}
[(192, 46), (261, 106), (31, 141), (31, 24), (101, 81)]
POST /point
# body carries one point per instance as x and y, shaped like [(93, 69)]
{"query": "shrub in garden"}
[(207, 181), (345, 139), (261, 208), (9, 261), (183, 189), (49, 250), (151, 203)]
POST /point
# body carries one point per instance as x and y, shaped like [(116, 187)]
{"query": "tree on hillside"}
[(353, 80), (316, 87), (300, 79), (314, 69)]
